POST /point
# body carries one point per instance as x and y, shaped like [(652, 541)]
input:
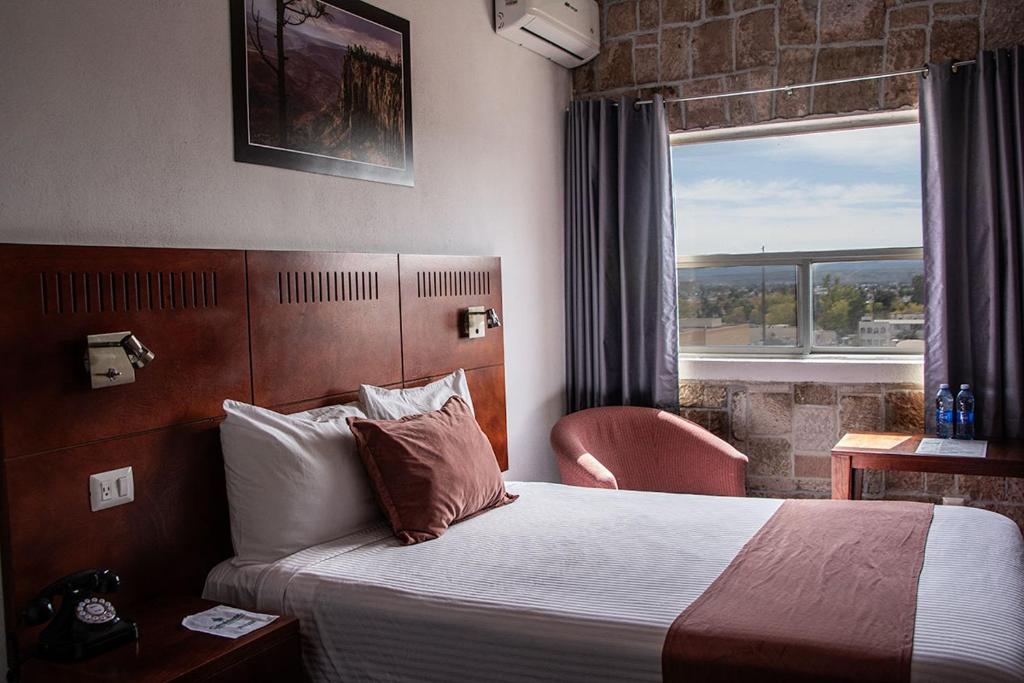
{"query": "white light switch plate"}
[(112, 488)]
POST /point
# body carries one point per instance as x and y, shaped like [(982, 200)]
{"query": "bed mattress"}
[(580, 584)]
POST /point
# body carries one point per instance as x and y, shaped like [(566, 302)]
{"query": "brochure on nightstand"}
[(227, 622), (956, 447)]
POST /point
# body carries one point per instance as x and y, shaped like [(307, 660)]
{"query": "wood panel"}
[(300, 406), (166, 652), (187, 305), (339, 399), (292, 330), (434, 291), (322, 323), (165, 541), (895, 452), (487, 388)]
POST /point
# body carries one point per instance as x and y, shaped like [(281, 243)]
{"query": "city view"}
[(876, 304), (768, 195)]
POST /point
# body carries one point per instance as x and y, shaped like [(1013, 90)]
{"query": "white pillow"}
[(293, 481), (392, 404), (328, 413)]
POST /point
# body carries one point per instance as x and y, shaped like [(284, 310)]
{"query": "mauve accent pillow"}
[(430, 470)]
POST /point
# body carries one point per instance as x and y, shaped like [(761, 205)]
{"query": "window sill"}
[(832, 369)]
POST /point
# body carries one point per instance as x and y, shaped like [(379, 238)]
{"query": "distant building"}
[(912, 345), (700, 322), (713, 332), (904, 327), (778, 335), (826, 338)]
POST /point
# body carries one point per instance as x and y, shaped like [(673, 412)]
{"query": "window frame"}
[(802, 260)]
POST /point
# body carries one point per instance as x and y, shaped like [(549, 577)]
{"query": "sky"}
[(846, 189)]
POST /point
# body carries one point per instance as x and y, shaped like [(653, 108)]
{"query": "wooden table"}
[(167, 651), (858, 451)]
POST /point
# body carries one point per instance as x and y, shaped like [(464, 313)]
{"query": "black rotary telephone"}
[(84, 625)]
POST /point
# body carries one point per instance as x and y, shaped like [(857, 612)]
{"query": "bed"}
[(579, 584)]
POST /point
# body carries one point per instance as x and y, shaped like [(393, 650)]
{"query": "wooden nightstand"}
[(898, 452), (167, 651)]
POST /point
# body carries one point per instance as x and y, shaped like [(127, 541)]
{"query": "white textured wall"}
[(116, 129)]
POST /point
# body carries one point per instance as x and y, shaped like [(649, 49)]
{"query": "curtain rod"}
[(798, 86)]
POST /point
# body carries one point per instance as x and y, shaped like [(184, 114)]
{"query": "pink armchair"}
[(645, 449)]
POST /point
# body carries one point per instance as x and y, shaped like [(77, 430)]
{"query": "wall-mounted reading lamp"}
[(476, 320), (113, 358)]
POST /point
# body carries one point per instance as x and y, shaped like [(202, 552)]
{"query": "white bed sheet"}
[(578, 584)]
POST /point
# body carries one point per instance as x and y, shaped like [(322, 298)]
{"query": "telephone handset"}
[(84, 624)]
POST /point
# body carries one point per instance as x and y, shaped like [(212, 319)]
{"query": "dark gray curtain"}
[(620, 265), (972, 135)]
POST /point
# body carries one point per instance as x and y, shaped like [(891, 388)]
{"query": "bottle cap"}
[(943, 386), (965, 386)]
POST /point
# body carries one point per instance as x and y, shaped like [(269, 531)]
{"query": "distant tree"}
[(288, 13), (781, 308), (882, 305), (688, 308), (917, 289), (841, 307), (835, 316), (737, 315), (912, 307), (707, 306)]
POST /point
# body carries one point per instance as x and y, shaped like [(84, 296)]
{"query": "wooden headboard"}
[(288, 330)]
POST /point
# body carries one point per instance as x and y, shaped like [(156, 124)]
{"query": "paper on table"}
[(228, 622), (959, 447), (881, 442)]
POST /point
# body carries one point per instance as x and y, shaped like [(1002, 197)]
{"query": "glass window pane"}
[(818, 191), (738, 306), (876, 304)]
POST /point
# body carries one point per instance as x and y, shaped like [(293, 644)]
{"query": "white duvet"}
[(578, 584)]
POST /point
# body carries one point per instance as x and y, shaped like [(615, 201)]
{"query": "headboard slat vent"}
[(327, 286), (434, 284), (67, 293)]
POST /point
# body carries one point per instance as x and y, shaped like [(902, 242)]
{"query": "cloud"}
[(882, 149), (845, 189), (879, 147), (737, 191), (718, 216)]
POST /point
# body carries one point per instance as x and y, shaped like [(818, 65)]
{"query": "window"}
[(800, 238), (723, 306)]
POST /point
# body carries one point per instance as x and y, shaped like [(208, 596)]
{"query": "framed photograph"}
[(322, 86)]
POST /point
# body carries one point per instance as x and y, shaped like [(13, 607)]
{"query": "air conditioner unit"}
[(565, 31)]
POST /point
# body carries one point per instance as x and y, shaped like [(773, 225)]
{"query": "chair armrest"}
[(586, 470), (710, 465), (576, 464)]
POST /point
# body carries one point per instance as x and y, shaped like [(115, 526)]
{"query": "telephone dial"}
[(84, 625)]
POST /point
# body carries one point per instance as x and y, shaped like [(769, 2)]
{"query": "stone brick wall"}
[(701, 47), (788, 430)]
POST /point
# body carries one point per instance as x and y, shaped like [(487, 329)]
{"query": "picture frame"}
[(322, 86)]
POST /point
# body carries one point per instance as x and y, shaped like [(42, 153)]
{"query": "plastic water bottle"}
[(965, 413), (944, 412)]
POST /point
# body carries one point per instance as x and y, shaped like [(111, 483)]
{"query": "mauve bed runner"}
[(825, 591)]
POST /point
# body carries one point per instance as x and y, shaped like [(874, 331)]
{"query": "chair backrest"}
[(650, 450)]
